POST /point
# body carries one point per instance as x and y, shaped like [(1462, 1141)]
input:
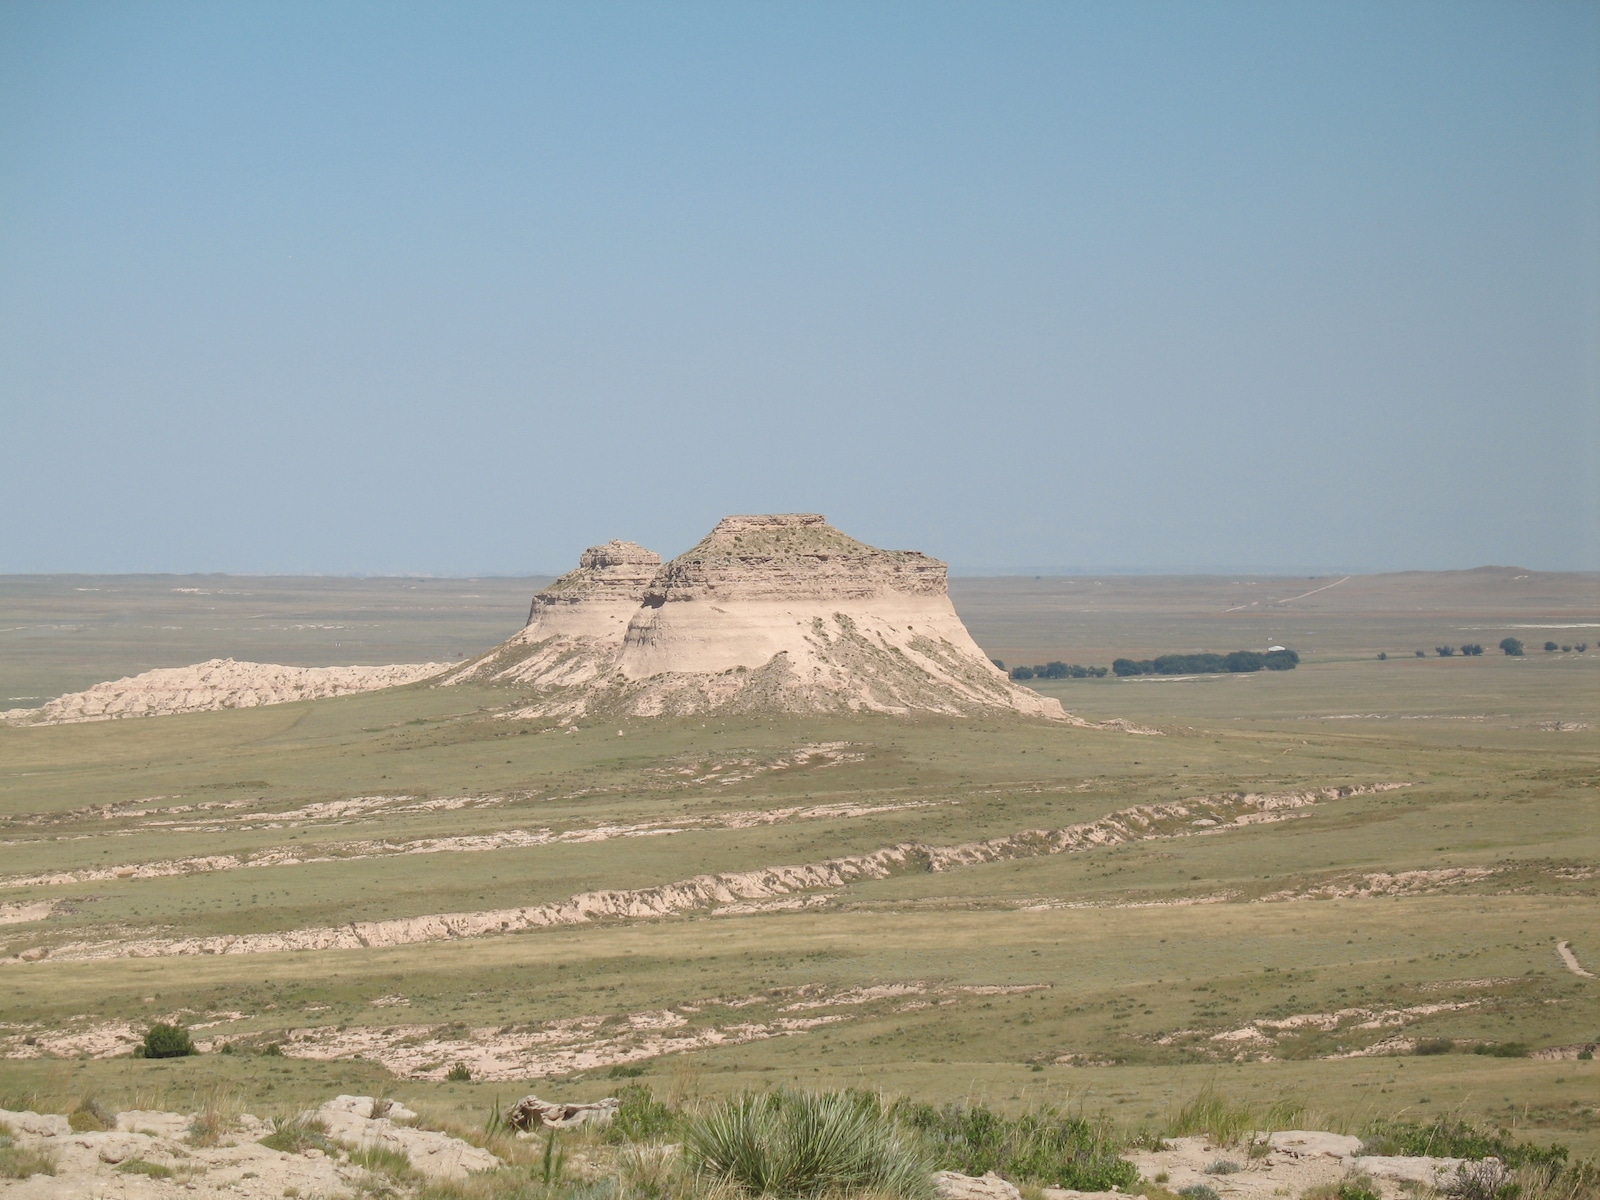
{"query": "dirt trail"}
[(1182, 818), (1570, 960)]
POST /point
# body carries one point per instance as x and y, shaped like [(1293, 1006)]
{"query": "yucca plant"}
[(806, 1144)]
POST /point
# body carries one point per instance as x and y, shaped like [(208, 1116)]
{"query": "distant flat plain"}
[(1303, 958)]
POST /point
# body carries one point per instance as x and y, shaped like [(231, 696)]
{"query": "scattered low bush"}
[(383, 1160), (1214, 1115), (623, 1071), (140, 1166), (1223, 1166), (298, 1133), (805, 1144), (1199, 1191), (22, 1162), (1502, 1049), (1452, 1137), (1358, 1188), (1043, 1146), (640, 1117), (1435, 1046), (459, 1073)]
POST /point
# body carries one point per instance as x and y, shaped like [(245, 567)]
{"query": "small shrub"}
[(623, 1071), (91, 1116), (1421, 653), (1223, 1166), (166, 1041), (1481, 1181), (297, 1134), (640, 1117), (1358, 1187), (207, 1127), (1549, 647), (1435, 1046), (140, 1166), (1512, 647), (459, 1074), (383, 1160), (1199, 1191), (1503, 1050)]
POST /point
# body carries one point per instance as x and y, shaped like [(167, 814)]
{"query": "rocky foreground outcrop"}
[(767, 613), (146, 1155), (218, 683)]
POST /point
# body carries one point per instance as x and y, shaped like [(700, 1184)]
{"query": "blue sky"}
[(445, 288)]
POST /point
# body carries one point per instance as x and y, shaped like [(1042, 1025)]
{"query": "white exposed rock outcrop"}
[(362, 1122), (575, 626), (218, 683), (1297, 1160), (953, 1185), (767, 613), (153, 1155)]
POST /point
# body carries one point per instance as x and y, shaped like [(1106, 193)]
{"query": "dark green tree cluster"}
[(1057, 670), (1511, 646), (1239, 662), (165, 1041)]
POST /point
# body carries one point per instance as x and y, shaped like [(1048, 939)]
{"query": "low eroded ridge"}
[(218, 683)]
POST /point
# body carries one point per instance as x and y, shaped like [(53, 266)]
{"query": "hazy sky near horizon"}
[(444, 288)]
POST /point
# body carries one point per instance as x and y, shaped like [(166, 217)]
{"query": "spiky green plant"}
[(806, 1144)]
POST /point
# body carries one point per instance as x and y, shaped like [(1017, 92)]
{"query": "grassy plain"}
[(1271, 959)]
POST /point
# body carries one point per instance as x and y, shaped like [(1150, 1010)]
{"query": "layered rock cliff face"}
[(767, 613), (576, 625)]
